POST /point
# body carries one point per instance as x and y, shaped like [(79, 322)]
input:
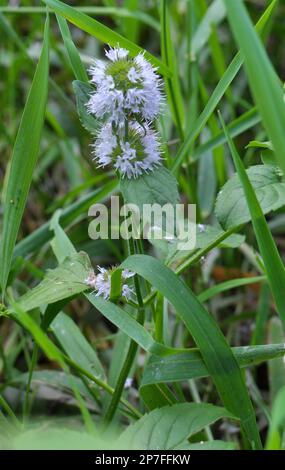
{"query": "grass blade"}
[(218, 93), (101, 32), (168, 54), (264, 83), (227, 285), (24, 158), (273, 264), (216, 353), (190, 365)]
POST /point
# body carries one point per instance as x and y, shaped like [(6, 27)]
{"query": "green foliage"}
[(170, 427), (231, 206), (24, 158), (193, 357)]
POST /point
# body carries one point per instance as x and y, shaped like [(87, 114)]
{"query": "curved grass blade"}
[(101, 32), (218, 93), (216, 353), (263, 80), (24, 158), (233, 283), (190, 365), (73, 55), (274, 266)]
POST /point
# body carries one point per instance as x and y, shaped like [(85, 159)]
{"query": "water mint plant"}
[(127, 98)]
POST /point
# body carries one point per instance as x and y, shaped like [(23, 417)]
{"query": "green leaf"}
[(75, 345), (57, 379), (168, 427), (82, 92), (159, 187), (101, 32), (21, 317), (231, 206), (24, 158), (265, 85), (190, 365), (64, 281), (231, 284), (50, 437), (205, 235), (258, 144), (216, 353), (128, 324)]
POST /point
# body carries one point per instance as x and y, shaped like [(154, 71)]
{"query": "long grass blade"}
[(101, 32), (218, 92), (216, 353), (24, 158), (264, 82)]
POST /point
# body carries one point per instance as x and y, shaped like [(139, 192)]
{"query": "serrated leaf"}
[(167, 427), (82, 92), (64, 281), (231, 206), (159, 186)]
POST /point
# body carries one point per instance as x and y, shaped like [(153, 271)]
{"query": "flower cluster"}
[(101, 283), (127, 98)]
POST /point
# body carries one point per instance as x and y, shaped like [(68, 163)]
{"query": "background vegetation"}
[(204, 341)]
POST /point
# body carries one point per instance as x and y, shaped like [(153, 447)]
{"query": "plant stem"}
[(197, 256), (27, 404), (9, 411), (131, 352), (101, 384)]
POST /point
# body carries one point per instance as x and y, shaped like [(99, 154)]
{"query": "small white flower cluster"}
[(127, 99), (101, 283)]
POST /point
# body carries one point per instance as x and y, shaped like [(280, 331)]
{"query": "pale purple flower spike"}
[(127, 98), (101, 283)]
